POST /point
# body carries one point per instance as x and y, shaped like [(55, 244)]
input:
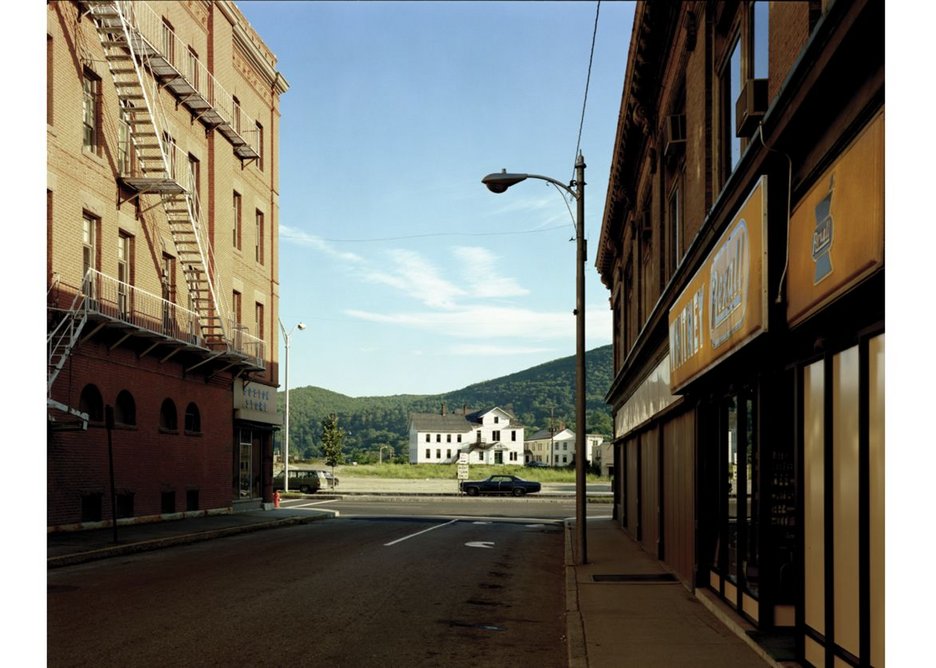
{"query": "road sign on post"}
[(462, 466)]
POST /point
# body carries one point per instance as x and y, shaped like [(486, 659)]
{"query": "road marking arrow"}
[(481, 543)]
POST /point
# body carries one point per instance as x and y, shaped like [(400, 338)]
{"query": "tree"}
[(332, 441)]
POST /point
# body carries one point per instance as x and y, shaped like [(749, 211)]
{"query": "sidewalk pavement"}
[(622, 607)]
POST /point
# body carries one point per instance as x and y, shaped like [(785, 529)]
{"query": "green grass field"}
[(448, 471)]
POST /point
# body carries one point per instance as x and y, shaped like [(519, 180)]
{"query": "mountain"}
[(535, 396)]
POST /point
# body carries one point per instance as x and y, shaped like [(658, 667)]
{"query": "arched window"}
[(168, 418), (192, 419), (92, 403), (125, 409)]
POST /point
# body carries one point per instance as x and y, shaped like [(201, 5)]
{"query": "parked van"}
[(307, 482)]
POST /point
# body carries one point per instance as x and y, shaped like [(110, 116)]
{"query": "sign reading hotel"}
[(837, 230), (724, 305)]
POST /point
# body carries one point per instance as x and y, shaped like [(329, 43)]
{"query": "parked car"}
[(536, 465), (307, 482), (499, 484)]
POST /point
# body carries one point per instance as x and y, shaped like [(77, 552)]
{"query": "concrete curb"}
[(171, 541), (575, 627)]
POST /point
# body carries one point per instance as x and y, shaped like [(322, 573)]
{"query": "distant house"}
[(489, 436), (557, 448)]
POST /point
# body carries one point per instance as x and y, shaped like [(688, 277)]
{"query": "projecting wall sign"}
[(725, 304)]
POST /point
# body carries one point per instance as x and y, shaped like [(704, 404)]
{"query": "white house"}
[(489, 436), (558, 448)]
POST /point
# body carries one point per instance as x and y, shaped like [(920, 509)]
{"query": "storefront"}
[(835, 314), (255, 420)]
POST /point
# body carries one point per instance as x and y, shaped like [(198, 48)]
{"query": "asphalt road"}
[(385, 592), (530, 507)]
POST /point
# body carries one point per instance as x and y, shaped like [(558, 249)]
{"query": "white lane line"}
[(310, 504), (413, 535)]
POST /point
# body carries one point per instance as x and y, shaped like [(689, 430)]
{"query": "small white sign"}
[(462, 471)]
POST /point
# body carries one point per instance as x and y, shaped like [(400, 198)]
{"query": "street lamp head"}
[(498, 183), (301, 325)]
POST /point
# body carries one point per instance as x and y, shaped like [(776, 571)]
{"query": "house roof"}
[(440, 423), (544, 434)]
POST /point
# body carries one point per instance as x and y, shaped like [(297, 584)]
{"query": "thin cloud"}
[(482, 275), (418, 278), (296, 236)]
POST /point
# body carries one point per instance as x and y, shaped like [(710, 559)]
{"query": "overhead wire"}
[(591, 56), (427, 235)]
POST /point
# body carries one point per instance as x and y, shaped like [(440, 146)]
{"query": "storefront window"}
[(737, 554)]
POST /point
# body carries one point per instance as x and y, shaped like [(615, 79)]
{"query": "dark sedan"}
[(499, 484)]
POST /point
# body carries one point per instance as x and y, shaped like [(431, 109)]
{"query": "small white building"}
[(557, 448), (488, 436)]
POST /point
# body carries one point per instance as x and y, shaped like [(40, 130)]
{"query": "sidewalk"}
[(624, 609), (613, 618)]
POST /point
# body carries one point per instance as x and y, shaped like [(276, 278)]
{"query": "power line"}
[(591, 55), (427, 235)]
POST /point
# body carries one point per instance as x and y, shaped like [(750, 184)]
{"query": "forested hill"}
[(531, 395)]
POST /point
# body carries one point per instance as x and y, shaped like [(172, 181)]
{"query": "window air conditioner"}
[(675, 134), (750, 107)]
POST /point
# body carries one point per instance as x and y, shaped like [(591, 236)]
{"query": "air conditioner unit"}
[(750, 107), (675, 134)]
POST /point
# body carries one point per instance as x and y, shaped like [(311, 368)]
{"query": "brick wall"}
[(147, 460)]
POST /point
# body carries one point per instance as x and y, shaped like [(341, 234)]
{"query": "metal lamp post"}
[(498, 183), (286, 334)]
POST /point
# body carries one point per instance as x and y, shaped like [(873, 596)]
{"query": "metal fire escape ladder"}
[(159, 160), (61, 341)]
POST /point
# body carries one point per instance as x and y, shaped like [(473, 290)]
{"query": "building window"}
[(759, 33), (125, 409), (438, 453), (428, 438), (91, 112), (438, 438), (448, 453), (168, 41), (258, 248), (258, 319), (169, 294), (496, 419), (236, 240), (193, 69), (191, 499), (459, 438), (124, 273), (428, 453), (91, 505), (192, 419), (124, 146), (236, 307), (167, 502), (730, 86), (92, 403), (50, 86), (674, 224), (480, 456), (168, 419), (194, 184), (89, 235), (495, 435), (513, 435), (448, 438), (237, 115), (260, 146)]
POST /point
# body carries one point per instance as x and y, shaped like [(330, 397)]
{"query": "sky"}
[(410, 276)]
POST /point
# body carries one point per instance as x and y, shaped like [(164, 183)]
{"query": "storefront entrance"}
[(735, 566)]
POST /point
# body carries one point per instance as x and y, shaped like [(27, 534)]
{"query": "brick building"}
[(162, 208), (743, 247)]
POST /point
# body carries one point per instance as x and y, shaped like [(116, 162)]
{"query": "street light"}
[(498, 183), (286, 334)]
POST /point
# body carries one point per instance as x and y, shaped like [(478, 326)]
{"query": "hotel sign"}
[(255, 402), (837, 230), (725, 304)]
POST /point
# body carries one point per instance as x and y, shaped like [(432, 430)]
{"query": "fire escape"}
[(140, 53)]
